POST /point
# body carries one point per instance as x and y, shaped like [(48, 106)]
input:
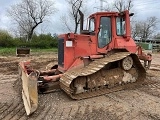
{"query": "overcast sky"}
[(142, 8)]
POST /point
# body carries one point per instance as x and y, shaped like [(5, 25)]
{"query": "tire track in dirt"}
[(8, 110), (2, 106), (13, 114), (137, 100), (118, 105), (5, 107), (80, 110), (21, 113), (137, 104), (44, 114), (152, 87)]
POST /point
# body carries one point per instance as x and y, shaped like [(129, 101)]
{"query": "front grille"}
[(61, 52)]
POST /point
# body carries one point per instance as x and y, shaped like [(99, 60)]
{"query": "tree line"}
[(38, 41)]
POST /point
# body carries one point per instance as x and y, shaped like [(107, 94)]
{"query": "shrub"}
[(38, 41)]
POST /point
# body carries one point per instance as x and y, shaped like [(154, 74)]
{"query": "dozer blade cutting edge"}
[(29, 89)]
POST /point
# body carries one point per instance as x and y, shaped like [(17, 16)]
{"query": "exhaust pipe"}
[(81, 21), (81, 24)]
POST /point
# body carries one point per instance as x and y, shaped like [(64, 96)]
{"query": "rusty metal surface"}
[(68, 77), (22, 51)]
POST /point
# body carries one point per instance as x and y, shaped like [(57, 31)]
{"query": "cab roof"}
[(104, 14)]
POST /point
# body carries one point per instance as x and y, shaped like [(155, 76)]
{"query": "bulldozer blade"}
[(29, 91)]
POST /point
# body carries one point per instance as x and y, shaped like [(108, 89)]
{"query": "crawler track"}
[(70, 76)]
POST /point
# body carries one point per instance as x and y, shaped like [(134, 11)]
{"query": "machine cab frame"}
[(108, 27)]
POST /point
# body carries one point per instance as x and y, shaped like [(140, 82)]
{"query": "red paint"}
[(87, 45)]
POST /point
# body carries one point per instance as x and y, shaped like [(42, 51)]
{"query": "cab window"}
[(91, 25), (104, 35), (120, 22)]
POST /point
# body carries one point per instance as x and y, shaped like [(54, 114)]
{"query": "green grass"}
[(7, 51), (12, 51), (44, 50)]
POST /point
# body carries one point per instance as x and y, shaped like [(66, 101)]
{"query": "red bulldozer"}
[(101, 59)]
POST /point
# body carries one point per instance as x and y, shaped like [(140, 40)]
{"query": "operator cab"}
[(107, 27)]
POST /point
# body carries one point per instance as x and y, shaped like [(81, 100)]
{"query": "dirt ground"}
[(142, 103)]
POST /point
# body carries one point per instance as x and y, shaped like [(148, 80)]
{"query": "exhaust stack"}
[(81, 24), (81, 21)]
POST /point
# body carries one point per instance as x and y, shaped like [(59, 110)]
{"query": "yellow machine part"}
[(29, 89)]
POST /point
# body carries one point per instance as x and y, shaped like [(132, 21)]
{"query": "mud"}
[(140, 103)]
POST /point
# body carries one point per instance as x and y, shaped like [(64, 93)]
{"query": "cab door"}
[(104, 34)]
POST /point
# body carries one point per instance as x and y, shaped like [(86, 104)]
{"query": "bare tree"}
[(66, 21), (135, 29), (29, 14), (157, 35), (145, 29), (74, 7), (119, 5), (122, 5)]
